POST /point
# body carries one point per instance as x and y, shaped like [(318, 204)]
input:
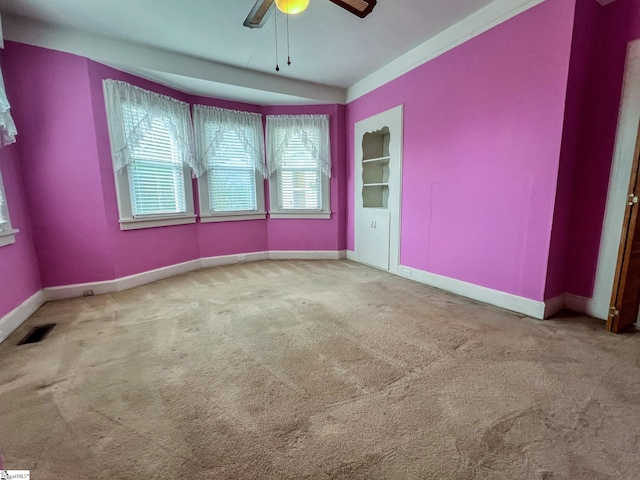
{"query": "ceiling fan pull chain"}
[(275, 16), (288, 52)]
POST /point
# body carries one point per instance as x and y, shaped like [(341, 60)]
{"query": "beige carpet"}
[(315, 370)]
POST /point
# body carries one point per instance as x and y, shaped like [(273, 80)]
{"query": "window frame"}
[(125, 208), (206, 216), (274, 201), (204, 199), (7, 234), (276, 212), (127, 219)]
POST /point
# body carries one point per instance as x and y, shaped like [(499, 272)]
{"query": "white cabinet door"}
[(373, 237)]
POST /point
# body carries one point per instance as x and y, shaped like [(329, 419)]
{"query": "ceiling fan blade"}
[(259, 13), (360, 8)]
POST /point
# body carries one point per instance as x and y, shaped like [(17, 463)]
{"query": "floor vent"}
[(37, 334)]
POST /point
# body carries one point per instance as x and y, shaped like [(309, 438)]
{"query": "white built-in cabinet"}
[(378, 158)]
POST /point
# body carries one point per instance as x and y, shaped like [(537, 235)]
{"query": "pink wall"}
[(289, 234), (20, 277), (495, 170), (583, 49), (51, 99), (618, 23), (59, 109), (482, 137)]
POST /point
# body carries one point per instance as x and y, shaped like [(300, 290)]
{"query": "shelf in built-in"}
[(379, 159)]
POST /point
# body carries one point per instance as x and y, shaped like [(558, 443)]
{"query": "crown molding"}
[(116, 52), (479, 22)]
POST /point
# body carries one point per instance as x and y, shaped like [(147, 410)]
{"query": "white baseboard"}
[(575, 303), (18, 315), (120, 284), (508, 301), (500, 299), (229, 259), (77, 290), (584, 305), (554, 305), (515, 303), (307, 255), (132, 281)]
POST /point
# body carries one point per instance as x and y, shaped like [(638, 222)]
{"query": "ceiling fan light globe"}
[(291, 7)]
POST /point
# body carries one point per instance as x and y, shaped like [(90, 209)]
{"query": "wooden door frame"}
[(619, 180), (629, 226)]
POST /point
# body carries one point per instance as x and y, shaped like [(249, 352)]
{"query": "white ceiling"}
[(201, 46)]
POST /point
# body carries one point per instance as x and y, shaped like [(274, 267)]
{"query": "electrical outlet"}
[(241, 258), (87, 293), (406, 272)]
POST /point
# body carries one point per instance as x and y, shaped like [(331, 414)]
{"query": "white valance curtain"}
[(310, 130), (8, 130), (143, 109), (212, 123)]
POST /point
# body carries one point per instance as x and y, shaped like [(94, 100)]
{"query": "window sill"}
[(152, 222), (8, 237), (301, 215), (235, 217)]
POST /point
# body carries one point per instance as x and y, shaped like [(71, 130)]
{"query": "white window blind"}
[(232, 178), (156, 174), (299, 177)]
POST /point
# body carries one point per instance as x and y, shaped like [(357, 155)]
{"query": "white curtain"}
[(8, 130), (246, 126), (311, 130), (146, 107)]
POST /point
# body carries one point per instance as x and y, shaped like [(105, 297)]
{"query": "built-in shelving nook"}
[(375, 169), (378, 183)]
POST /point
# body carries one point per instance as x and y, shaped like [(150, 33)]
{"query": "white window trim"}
[(8, 236), (302, 215), (127, 220), (205, 206), (275, 212)]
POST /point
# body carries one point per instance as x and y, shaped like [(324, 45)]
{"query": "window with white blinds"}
[(231, 145), (156, 173), (231, 172), (298, 150), (299, 178), (152, 149)]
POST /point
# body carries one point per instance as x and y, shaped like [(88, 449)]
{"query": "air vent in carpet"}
[(37, 334)]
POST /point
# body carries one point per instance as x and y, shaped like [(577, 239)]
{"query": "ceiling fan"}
[(260, 12)]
